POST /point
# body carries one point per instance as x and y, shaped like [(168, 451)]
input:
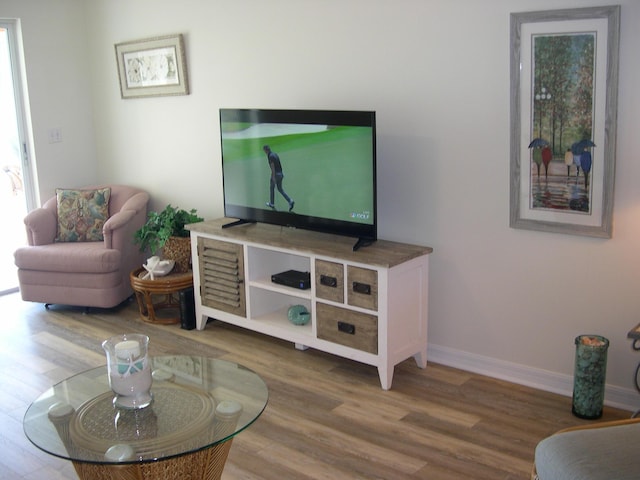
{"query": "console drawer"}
[(330, 281), (352, 329), (362, 288)]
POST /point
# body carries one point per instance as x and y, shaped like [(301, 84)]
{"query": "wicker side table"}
[(166, 288)]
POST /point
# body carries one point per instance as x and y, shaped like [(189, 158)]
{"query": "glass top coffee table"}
[(199, 404)]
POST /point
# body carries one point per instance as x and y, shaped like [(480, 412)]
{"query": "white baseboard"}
[(617, 397)]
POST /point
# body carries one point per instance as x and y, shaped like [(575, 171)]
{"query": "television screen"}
[(311, 169)]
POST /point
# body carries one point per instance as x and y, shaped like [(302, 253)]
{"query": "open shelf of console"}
[(370, 305)]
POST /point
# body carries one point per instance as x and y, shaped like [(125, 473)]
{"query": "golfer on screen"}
[(276, 178)]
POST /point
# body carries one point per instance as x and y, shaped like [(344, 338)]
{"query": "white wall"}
[(56, 54), (502, 301)]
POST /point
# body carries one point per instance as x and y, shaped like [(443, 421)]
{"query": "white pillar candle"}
[(127, 350)]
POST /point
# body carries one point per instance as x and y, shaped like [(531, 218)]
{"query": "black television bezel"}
[(365, 232)]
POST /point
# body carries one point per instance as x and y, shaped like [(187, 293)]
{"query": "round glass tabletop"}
[(197, 402)]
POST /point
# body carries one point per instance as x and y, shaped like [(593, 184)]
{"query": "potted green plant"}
[(165, 230)]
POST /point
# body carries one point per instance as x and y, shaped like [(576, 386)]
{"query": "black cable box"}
[(293, 279)]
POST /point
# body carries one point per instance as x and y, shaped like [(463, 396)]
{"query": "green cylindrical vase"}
[(589, 377)]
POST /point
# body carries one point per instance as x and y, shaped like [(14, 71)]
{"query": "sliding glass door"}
[(16, 184)]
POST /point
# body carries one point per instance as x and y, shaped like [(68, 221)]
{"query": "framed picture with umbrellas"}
[(564, 93)]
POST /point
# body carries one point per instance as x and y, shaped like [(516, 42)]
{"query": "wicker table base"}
[(167, 288), (204, 464)]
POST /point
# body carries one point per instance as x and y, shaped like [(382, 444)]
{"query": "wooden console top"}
[(381, 253)]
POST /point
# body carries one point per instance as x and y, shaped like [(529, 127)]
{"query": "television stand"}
[(362, 242), (236, 223), (369, 306)]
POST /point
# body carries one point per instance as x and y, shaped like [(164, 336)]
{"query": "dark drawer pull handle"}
[(328, 281), (347, 328), (363, 288)]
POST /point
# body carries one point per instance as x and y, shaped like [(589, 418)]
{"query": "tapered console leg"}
[(201, 321), (386, 376), (421, 358)]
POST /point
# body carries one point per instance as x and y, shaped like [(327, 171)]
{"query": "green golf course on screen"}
[(321, 171)]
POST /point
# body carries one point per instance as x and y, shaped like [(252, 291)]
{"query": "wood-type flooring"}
[(327, 417)]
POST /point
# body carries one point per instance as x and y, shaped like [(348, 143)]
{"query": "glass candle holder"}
[(129, 370), (589, 376)]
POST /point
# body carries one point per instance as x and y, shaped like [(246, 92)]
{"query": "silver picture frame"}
[(152, 67), (560, 61)]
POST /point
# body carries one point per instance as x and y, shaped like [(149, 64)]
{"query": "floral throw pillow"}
[(81, 214)]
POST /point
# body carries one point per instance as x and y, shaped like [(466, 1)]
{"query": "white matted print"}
[(564, 68), (152, 67)]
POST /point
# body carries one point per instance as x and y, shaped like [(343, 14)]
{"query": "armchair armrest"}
[(120, 228), (41, 225), (117, 221), (137, 203)]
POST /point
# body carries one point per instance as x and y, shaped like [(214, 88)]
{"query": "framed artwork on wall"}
[(152, 67), (564, 93)]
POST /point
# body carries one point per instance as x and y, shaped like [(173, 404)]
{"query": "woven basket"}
[(179, 250)]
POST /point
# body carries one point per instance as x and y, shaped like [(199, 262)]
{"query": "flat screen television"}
[(309, 169)]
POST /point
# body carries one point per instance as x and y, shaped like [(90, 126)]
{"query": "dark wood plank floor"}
[(327, 417)]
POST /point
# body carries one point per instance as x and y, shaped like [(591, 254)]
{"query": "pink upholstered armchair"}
[(88, 273)]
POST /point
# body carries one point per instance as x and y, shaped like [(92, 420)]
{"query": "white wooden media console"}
[(369, 305)]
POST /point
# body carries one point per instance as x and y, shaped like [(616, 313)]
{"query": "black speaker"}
[(187, 309)]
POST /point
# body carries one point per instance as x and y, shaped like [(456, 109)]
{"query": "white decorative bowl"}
[(157, 268), (163, 268)]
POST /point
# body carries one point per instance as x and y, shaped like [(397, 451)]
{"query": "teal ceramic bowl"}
[(298, 315)]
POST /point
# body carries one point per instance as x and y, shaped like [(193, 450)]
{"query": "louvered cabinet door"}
[(222, 275)]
